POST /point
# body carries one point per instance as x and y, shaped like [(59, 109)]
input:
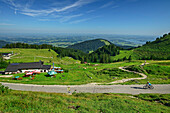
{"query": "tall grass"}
[(4, 89), (18, 101)]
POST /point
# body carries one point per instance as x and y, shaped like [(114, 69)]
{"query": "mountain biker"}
[(149, 84)]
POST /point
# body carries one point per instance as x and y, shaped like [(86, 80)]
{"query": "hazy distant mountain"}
[(3, 43), (90, 45)]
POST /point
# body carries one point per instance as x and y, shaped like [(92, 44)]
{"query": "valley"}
[(97, 72), (65, 40), (84, 56)]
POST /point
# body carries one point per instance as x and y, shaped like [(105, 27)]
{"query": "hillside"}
[(90, 45), (34, 55), (103, 54), (158, 49), (36, 102), (106, 52), (3, 43)]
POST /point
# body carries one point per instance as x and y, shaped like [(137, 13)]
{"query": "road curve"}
[(129, 89), (124, 80)]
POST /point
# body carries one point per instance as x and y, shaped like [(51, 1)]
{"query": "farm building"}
[(6, 56), (25, 67)]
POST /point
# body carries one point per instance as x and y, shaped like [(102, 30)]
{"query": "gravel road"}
[(129, 89)]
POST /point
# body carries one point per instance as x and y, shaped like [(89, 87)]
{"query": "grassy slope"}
[(34, 55), (158, 72), (103, 73), (77, 74), (159, 48), (19, 101), (125, 53), (106, 42)]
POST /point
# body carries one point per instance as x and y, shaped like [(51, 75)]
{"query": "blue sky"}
[(129, 17)]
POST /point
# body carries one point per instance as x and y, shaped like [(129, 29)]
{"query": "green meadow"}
[(79, 74), (125, 53), (34, 55), (22, 101), (76, 73), (158, 72)]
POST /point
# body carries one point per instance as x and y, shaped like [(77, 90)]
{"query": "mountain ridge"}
[(3, 43)]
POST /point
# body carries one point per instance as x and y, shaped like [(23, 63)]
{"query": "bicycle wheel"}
[(151, 87), (145, 87)]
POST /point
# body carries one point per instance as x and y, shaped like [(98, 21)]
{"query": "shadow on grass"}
[(48, 75)]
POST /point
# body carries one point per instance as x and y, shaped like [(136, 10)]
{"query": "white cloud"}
[(90, 11), (116, 6), (26, 10), (31, 14), (15, 11), (52, 12), (6, 24), (83, 20), (80, 20), (44, 19), (67, 18), (107, 4)]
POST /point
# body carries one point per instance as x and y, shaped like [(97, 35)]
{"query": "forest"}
[(90, 45)]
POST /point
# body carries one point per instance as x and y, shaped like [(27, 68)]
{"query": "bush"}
[(3, 89)]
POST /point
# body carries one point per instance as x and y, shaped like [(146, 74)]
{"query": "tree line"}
[(25, 45)]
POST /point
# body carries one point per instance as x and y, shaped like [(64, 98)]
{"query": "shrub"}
[(3, 89)]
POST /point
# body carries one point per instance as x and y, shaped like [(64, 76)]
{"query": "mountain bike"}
[(148, 86)]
